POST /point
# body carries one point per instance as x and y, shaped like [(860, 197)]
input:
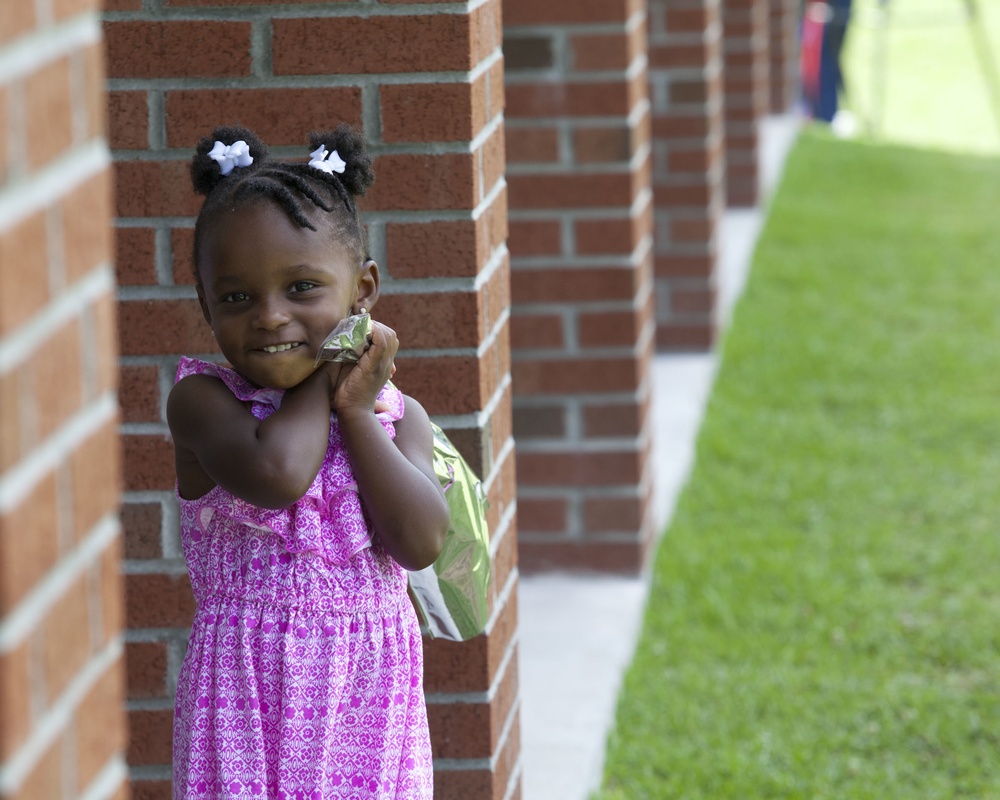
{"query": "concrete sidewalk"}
[(578, 632)]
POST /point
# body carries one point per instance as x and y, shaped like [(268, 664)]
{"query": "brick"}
[(487, 30), (433, 112), (12, 431), (179, 48), (148, 462), (279, 116), (532, 422), (96, 468), (529, 12), (604, 468), (66, 636), (542, 515), (532, 145), (472, 730), (158, 601), (682, 336), (146, 669), (142, 529), (419, 182), (112, 590), (158, 327), (56, 376), (602, 145), (606, 236), (95, 99), (442, 248), (440, 319), (570, 191), (104, 354), (538, 331), (611, 98), (128, 119), (62, 9), (139, 394), (154, 189), (609, 328), (372, 45), (607, 51), (527, 52), (135, 256), (45, 778), (614, 514), (494, 163), (150, 737), (567, 285), (87, 243), (15, 698), (28, 542), (574, 376), (685, 265), (48, 129), (99, 725), (535, 238), (618, 420), (24, 245), (692, 300), (18, 18), (151, 790), (623, 558), (497, 89)]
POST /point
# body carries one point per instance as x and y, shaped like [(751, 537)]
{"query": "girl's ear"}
[(366, 294)]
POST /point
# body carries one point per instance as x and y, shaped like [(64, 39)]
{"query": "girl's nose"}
[(271, 315)]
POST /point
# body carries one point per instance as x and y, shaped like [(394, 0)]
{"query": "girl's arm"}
[(270, 463), (396, 478)]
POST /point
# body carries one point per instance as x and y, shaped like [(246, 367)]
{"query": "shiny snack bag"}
[(452, 593), (348, 341)]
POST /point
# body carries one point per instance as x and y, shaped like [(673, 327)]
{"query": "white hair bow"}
[(327, 161), (232, 155)]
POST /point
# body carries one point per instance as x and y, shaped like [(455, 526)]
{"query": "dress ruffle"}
[(329, 520)]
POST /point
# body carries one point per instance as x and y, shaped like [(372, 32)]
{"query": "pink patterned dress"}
[(303, 673)]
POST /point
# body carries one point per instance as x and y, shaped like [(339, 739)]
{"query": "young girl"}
[(303, 675)]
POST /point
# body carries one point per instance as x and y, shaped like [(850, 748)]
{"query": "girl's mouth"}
[(280, 348)]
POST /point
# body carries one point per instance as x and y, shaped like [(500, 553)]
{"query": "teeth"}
[(280, 348)]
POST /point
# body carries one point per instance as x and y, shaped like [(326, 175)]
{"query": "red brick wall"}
[(426, 84), (62, 730), (685, 77), (747, 97), (578, 153), (784, 55)]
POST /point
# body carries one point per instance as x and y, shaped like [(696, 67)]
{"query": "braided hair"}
[(294, 187)]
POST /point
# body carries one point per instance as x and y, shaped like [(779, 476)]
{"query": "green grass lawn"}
[(824, 615)]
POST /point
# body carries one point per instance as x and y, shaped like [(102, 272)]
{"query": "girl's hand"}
[(358, 385)]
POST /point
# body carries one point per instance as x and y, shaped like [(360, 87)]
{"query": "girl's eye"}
[(236, 297), (303, 286)]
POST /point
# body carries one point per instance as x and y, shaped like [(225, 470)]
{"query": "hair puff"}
[(205, 172), (350, 145)]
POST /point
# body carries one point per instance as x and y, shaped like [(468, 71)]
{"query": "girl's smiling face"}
[(272, 290)]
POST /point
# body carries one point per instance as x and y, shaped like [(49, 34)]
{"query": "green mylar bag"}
[(451, 593)]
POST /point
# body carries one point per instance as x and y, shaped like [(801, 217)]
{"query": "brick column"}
[(784, 55), (582, 329), (685, 78), (426, 85), (745, 29), (62, 729)]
